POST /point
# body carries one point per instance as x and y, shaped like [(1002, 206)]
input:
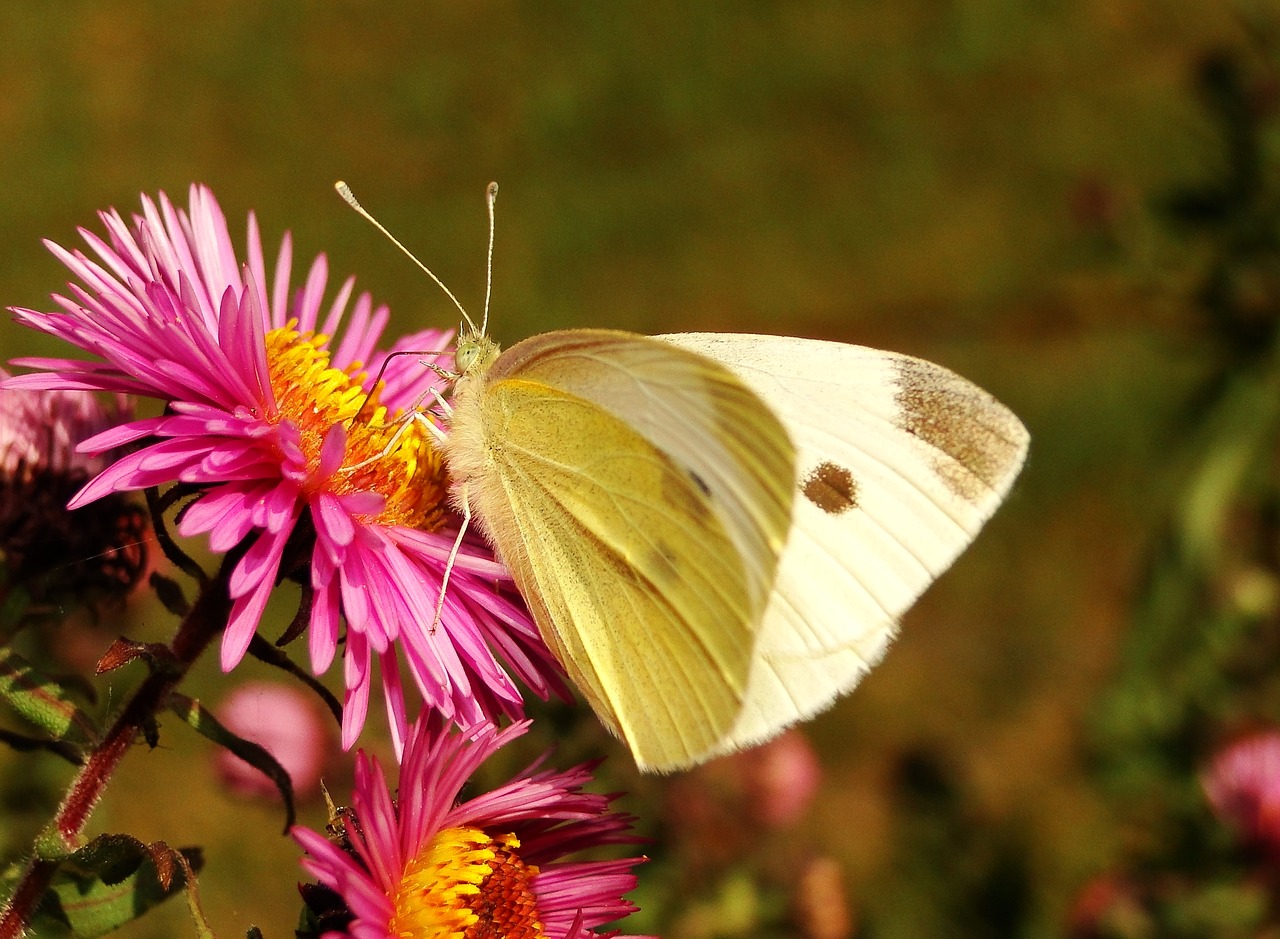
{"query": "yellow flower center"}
[(399, 459), (467, 885)]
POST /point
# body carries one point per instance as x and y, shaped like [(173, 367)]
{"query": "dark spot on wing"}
[(978, 440), (831, 488), (688, 495), (700, 483), (662, 568)]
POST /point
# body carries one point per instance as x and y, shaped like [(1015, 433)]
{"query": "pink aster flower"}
[(273, 418), (493, 866)]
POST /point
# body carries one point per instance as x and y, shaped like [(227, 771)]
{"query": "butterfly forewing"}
[(622, 630), (640, 496), (730, 443), (899, 463)]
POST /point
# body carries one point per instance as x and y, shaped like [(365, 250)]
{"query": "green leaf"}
[(170, 594), (112, 857), (14, 605), (1239, 435), (199, 718), (113, 880), (44, 702)]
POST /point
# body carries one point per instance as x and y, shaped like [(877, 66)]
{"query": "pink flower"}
[(491, 866), (781, 778), (272, 416), (284, 721), (40, 431), (1242, 782)]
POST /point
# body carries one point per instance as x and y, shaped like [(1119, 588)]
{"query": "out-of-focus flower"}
[(781, 778), (1242, 782), (56, 555), (493, 866), (720, 810), (287, 723), (276, 422), (1108, 906), (821, 908)]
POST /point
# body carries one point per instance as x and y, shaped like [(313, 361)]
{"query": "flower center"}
[(400, 461), (467, 885)]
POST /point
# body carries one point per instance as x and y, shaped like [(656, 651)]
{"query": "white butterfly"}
[(717, 533)]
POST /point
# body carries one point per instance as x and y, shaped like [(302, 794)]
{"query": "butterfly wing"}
[(899, 463), (641, 496)]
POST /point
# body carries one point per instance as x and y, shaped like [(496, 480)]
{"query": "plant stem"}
[(207, 619)]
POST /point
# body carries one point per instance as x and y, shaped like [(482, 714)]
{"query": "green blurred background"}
[(984, 183)]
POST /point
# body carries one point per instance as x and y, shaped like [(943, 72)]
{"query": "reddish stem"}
[(207, 619)]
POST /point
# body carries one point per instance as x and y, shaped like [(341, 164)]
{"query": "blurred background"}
[(1072, 204)]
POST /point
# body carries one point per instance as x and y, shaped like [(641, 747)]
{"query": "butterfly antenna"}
[(491, 196), (350, 199)]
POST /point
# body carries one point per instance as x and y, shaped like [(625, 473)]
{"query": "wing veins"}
[(715, 583), (670, 663)]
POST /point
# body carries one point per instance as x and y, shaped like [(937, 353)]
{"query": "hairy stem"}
[(207, 619)]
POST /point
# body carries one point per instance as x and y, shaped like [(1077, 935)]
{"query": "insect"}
[(717, 533)]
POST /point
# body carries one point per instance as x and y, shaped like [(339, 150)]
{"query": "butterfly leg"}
[(416, 417), (445, 407), (435, 431), (391, 445), (453, 556)]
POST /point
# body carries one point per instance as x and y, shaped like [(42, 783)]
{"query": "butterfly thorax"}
[(467, 447)]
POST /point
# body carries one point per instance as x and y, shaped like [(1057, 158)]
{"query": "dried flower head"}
[(55, 555)]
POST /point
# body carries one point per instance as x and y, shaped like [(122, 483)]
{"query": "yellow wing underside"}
[(646, 568)]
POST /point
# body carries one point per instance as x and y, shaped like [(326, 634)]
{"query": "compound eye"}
[(465, 357)]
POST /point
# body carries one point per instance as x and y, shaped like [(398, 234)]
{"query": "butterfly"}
[(717, 534)]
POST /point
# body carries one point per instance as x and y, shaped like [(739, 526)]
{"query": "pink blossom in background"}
[(721, 811), (41, 430), (272, 415), (781, 778), (1242, 783), (285, 721)]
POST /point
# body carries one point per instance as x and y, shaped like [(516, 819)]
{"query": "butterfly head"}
[(474, 353)]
